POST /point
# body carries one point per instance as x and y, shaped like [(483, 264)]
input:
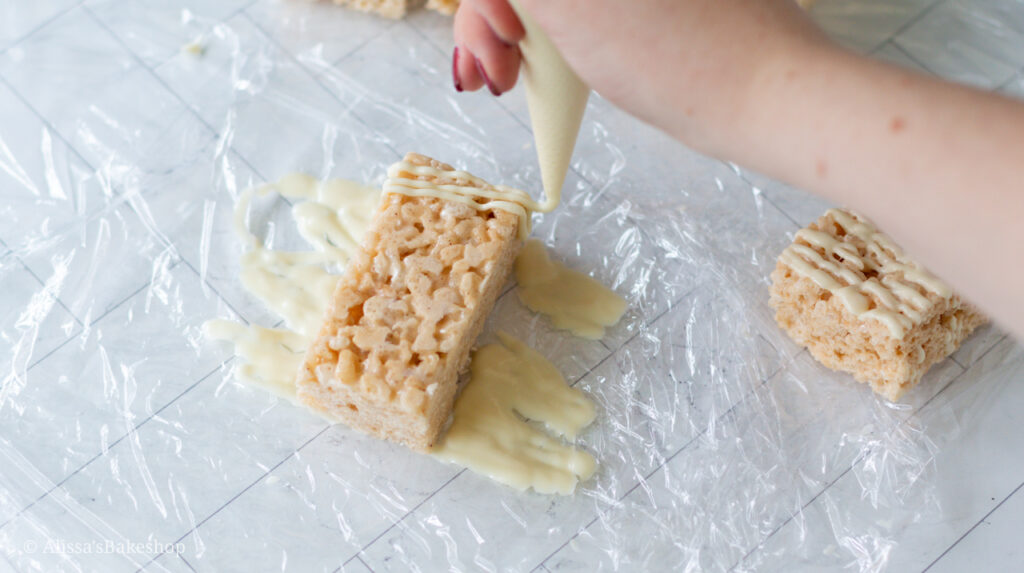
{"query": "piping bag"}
[(557, 98)]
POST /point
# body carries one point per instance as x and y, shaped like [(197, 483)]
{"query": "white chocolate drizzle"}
[(880, 284), (477, 193)]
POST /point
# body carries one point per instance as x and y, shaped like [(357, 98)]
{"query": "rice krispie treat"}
[(387, 8), (444, 6), (409, 307), (851, 296)]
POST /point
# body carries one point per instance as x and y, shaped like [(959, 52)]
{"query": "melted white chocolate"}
[(573, 301), (477, 193), (510, 382), (557, 98), (294, 285), (297, 285), (896, 297), (270, 357)]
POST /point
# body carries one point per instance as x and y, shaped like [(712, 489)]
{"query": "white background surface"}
[(118, 153)]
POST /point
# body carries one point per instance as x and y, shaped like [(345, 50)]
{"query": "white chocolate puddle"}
[(509, 380), (297, 285), (270, 356), (572, 300)]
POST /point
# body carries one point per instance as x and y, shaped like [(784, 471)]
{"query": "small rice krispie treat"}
[(409, 307), (444, 6), (387, 8), (851, 296)]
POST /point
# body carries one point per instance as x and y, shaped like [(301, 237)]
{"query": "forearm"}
[(939, 167)]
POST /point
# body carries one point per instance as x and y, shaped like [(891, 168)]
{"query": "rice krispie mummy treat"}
[(387, 8), (851, 296), (412, 301), (399, 8)]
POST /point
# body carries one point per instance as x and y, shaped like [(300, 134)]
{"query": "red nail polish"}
[(487, 79), (455, 71)]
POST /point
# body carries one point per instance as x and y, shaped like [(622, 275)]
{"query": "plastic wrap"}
[(129, 129)]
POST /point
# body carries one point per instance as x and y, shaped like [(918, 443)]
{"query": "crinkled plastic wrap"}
[(129, 129)]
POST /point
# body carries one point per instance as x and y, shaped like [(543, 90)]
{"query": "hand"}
[(487, 34), (687, 66)]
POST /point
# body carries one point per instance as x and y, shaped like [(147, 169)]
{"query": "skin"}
[(939, 166)]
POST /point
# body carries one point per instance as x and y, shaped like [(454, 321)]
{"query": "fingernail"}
[(455, 71), (487, 80)]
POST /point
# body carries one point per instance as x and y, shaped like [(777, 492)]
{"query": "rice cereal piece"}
[(851, 296), (407, 312)]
